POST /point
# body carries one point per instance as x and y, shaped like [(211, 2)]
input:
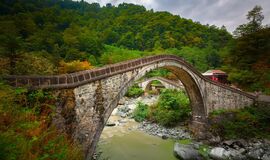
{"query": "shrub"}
[(134, 91), (4, 66), (172, 107), (73, 66), (160, 72), (28, 134), (249, 122), (141, 112), (33, 63)]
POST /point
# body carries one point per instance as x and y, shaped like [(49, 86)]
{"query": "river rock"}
[(164, 137), (186, 152), (236, 154), (219, 153), (121, 101), (266, 157), (158, 130), (110, 124), (122, 121), (215, 139), (255, 153), (228, 143)]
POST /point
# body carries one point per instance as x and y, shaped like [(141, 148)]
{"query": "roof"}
[(211, 72)]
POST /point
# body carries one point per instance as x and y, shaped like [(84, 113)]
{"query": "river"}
[(125, 142)]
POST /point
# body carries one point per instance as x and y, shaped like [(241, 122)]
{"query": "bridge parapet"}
[(73, 80)]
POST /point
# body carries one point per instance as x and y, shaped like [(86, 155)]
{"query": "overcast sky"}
[(230, 13)]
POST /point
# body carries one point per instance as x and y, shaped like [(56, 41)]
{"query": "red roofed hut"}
[(216, 75)]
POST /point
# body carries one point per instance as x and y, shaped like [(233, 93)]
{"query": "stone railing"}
[(83, 77)]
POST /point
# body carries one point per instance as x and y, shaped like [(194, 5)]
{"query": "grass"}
[(185, 141)]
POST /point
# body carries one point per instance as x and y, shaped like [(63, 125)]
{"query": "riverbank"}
[(126, 139)]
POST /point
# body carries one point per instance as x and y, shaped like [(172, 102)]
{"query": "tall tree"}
[(255, 18), (250, 55)]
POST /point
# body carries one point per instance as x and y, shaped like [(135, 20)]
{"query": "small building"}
[(216, 75)]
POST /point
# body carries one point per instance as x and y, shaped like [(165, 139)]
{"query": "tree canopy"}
[(73, 30), (249, 58)]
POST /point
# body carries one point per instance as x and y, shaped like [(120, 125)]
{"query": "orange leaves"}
[(73, 66)]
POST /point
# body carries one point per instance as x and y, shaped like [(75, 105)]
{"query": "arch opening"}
[(191, 87), (154, 86)]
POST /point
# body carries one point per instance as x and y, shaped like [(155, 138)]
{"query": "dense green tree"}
[(11, 42), (255, 18), (249, 59), (77, 30)]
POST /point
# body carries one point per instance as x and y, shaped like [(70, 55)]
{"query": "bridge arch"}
[(97, 92), (149, 85), (145, 83), (199, 111)]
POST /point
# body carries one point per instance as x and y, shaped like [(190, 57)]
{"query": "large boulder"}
[(255, 153), (186, 152), (219, 153)]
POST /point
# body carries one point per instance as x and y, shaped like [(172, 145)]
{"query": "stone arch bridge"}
[(95, 93), (169, 84)]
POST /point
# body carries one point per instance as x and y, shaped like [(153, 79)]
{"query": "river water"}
[(136, 145), (126, 142)]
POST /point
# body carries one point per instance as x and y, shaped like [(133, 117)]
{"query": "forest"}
[(48, 37), (69, 36)]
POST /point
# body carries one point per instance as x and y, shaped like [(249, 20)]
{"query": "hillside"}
[(38, 32)]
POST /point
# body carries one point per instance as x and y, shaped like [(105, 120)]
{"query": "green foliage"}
[(134, 91), (249, 56), (141, 112), (33, 64), (114, 54), (70, 30), (218, 112), (25, 127), (156, 82), (160, 72), (201, 59), (255, 18), (172, 107), (55, 149), (185, 141), (204, 151), (249, 122)]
